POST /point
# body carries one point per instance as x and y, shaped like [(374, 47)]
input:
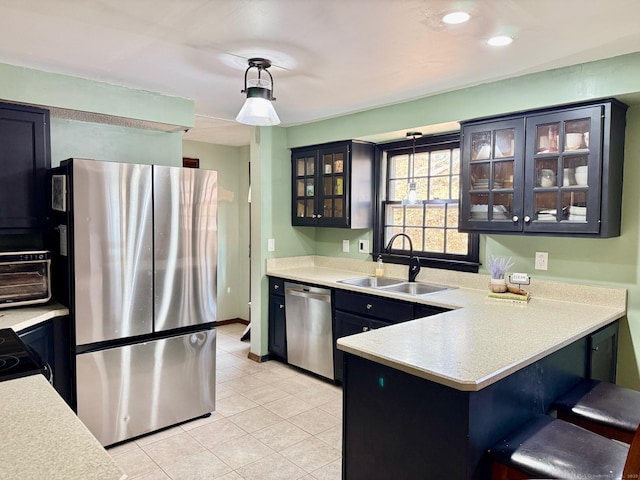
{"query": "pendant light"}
[(412, 192), (258, 109)]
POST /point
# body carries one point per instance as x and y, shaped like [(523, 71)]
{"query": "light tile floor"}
[(272, 422)]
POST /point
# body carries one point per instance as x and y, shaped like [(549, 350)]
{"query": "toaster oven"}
[(25, 278)]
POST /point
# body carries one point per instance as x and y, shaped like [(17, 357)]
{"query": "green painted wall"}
[(73, 139), (232, 164), (610, 262), (18, 84)]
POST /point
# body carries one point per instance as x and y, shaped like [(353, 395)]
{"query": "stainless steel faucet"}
[(414, 261)]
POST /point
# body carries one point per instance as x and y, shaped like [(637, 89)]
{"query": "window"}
[(432, 220)]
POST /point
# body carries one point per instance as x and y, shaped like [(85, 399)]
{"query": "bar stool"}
[(601, 407), (550, 448)]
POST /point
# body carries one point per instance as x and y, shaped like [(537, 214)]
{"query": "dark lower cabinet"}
[(602, 353), (277, 319), (400, 426), (358, 312), (50, 340)]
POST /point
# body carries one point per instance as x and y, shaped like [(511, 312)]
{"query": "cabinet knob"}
[(319, 216), (515, 218), (527, 219), (369, 306), (314, 215), (275, 287), (281, 306), (364, 329), (595, 349)]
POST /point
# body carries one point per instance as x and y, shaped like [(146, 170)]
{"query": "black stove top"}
[(16, 359)]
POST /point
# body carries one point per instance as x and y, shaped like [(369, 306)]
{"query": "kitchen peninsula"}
[(40, 436), (426, 398)]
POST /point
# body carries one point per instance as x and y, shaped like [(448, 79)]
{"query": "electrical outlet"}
[(542, 261), (363, 246), (271, 245), (345, 246)]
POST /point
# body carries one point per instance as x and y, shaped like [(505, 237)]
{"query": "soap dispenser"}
[(379, 267)]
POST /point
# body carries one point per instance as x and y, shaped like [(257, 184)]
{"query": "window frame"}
[(463, 263)]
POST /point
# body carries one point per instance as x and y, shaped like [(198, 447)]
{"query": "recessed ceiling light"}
[(456, 17), (500, 41)]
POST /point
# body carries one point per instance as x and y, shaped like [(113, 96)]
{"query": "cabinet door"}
[(24, 159), (563, 171), (305, 187), (347, 324), (492, 179), (603, 352), (277, 326), (333, 175)]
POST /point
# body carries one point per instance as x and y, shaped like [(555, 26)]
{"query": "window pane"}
[(457, 243), (399, 166), (414, 215), (397, 190), (452, 215), (455, 162), (416, 235), (422, 185), (421, 165), (394, 215), (435, 240), (440, 162), (398, 244), (455, 187), (439, 188), (435, 216)]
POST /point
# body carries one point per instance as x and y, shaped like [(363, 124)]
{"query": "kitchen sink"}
[(415, 288), (373, 282), (395, 285)]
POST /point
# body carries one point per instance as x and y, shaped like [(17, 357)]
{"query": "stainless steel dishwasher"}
[(309, 328)]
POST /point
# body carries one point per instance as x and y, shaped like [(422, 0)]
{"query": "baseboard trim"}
[(257, 358), (232, 320)]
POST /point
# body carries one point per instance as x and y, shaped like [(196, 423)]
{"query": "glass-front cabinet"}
[(332, 185), (492, 175), (553, 172)]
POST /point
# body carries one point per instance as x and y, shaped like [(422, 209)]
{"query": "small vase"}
[(498, 285)]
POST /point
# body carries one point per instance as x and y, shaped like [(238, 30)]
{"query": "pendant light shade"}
[(258, 109)]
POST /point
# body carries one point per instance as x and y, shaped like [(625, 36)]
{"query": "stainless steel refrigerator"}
[(138, 247)]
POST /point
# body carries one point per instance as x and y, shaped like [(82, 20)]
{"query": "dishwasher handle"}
[(323, 297)]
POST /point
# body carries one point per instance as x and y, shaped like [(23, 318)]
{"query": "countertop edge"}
[(21, 318), (457, 299)]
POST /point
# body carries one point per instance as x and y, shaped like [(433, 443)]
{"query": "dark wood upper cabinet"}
[(548, 172), (333, 185), (24, 160)]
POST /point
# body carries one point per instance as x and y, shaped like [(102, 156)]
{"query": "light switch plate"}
[(345, 246), (271, 245)]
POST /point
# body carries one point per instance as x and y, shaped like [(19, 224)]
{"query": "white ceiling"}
[(330, 57)]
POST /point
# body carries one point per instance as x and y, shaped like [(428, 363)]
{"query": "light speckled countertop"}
[(478, 342), (41, 437), (19, 318)]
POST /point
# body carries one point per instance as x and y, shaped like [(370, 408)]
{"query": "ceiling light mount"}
[(257, 109)]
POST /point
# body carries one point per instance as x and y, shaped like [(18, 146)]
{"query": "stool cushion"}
[(550, 448), (604, 403)]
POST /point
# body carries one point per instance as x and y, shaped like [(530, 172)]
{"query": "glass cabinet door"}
[(491, 175), (563, 171), (334, 185), (304, 165)]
